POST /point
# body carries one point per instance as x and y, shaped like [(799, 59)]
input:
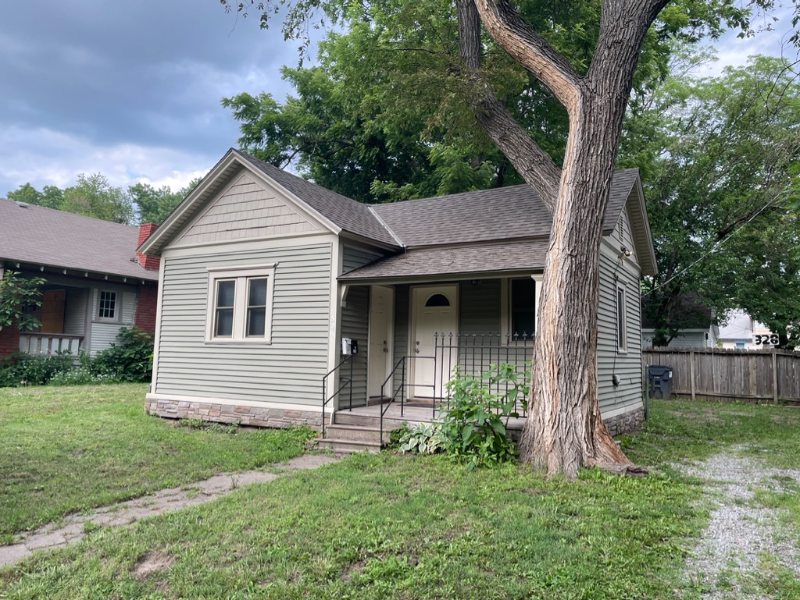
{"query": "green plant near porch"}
[(17, 294), (473, 425)]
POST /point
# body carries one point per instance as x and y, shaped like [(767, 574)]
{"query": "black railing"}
[(472, 354), (348, 383)]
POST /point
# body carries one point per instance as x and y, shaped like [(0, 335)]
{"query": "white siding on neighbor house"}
[(355, 325), (689, 339), (105, 334), (289, 370), (354, 257), (75, 311), (246, 209), (626, 365)]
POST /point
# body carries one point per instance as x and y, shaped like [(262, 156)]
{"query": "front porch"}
[(63, 321)]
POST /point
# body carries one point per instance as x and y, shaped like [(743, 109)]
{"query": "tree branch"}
[(531, 162), (530, 50)]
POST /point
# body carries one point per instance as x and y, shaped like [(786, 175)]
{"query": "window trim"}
[(117, 306), (241, 275), (621, 312)]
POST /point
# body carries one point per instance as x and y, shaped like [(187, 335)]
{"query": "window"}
[(240, 304), (622, 330), (437, 300), (107, 306), (523, 307)]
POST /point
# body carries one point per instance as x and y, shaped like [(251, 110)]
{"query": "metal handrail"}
[(347, 383), (400, 388)]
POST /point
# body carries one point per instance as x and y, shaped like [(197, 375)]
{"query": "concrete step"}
[(347, 446), (347, 418), (356, 433)]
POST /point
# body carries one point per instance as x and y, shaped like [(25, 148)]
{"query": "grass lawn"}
[(67, 449), (393, 526)]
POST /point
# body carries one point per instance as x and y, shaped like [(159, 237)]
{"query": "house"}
[(266, 279), (743, 332), (95, 282), (694, 322)]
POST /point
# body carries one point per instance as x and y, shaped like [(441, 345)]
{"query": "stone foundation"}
[(255, 416), (625, 423)]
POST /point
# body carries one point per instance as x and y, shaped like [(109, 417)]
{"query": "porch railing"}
[(472, 354), (346, 383), (49, 343)]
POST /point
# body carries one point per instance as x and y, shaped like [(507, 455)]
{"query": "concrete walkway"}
[(74, 527)]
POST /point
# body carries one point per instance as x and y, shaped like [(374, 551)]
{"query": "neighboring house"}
[(95, 282), (697, 330), (263, 274), (742, 331)]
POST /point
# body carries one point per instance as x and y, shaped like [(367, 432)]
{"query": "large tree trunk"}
[(564, 430)]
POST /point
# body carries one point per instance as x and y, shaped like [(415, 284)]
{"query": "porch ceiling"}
[(464, 260)]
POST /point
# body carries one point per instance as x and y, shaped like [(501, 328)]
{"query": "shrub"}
[(473, 427), (19, 369), (128, 360), (424, 438)]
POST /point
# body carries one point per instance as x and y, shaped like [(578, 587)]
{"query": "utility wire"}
[(719, 243)]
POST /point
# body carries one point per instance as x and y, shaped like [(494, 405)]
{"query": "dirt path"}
[(741, 532), (75, 527)]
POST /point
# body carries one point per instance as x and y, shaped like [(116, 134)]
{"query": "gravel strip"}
[(739, 532)]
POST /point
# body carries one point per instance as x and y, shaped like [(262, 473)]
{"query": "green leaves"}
[(17, 295)]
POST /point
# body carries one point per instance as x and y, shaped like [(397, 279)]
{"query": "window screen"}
[(256, 307), (523, 307), (223, 323)]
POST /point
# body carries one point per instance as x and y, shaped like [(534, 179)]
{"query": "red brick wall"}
[(147, 261), (146, 304), (9, 340)]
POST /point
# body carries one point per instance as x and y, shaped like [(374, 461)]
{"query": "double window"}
[(240, 304)]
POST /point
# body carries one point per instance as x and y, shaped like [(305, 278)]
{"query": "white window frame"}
[(241, 275), (117, 306), (621, 311)]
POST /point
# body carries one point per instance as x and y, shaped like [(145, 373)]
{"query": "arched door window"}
[(437, 300)]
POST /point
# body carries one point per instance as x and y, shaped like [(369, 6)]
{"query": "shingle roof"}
[(348, 214), (45, 236), (481, 258), (500, 213)]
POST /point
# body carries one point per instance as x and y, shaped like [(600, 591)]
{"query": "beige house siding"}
[(289, 370), (245, 209)]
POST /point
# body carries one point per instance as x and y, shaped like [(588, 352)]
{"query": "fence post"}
[(774, 376), (691, 372)]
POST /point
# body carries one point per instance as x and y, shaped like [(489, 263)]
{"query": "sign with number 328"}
[(769, 338)]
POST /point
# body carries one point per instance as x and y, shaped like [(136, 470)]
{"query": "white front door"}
[(379, 353), (435, 310)]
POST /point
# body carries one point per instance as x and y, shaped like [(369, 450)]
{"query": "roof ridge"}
[(389, 229)]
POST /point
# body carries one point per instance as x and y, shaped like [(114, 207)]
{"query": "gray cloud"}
[(145, 74)]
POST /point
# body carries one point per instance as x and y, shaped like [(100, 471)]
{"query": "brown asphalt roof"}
[(500, 213), (503, 256), (45, 236)]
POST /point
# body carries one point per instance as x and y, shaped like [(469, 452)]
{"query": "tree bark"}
[(564, 430)]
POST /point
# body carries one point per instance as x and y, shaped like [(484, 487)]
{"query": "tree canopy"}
[(94, 196)]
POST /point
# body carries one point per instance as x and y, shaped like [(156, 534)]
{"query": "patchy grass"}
[(381, 526), (680, 431), (68, 449), (398, 526)]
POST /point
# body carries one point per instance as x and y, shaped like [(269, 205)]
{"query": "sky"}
[(132, 89)]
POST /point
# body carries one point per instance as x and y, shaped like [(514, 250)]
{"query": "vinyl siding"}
[(401, 326), (354, 257), (692, 339), (624, 235), (75, 311), (105, 334), (247, 209), (288, 370), (479, 326), (355, 320), (626, 365)]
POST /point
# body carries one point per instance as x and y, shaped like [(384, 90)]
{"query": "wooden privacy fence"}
[(770, 375)]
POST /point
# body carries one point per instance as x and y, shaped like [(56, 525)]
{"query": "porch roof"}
[(456, 260)]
